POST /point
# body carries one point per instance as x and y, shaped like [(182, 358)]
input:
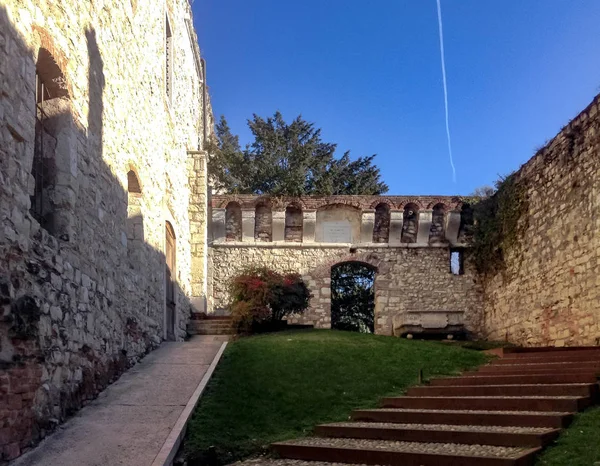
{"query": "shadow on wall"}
[(83, 296)]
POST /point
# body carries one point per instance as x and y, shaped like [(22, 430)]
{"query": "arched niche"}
[(233, 222), (293, 223), (381, 227), (410, 223)]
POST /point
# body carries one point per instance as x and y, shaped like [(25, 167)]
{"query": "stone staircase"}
[(201, 324), (501, 415)]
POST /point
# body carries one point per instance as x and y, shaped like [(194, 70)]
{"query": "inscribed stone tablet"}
[(337, 232)]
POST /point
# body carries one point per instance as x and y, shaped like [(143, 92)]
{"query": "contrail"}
[(439, 11)]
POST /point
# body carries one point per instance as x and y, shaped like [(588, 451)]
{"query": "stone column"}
[(278, 225), (308, 226), (218, 225), (366, 226), (396, 221), (425, 217), (248, 225), (452, 226)]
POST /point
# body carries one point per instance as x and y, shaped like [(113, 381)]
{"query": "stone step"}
[(582, 389), (497, 403), (526, 355), (555, 420), (381, 452), (493, 379), (442, 433), (210, 327), (529, 369), (551, 357)]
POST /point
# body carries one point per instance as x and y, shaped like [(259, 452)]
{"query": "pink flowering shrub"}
[(262, 297)]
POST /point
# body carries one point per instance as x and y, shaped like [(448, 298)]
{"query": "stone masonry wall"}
[(411, 278), (550, 291), (408, 279), (78, 304)]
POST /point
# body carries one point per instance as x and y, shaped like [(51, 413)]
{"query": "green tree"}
[(287, 159), (353, 297)]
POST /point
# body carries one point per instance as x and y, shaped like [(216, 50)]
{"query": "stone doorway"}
[(353, 297), (170, 265)]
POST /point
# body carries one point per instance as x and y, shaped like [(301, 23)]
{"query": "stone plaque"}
[(337, 232)]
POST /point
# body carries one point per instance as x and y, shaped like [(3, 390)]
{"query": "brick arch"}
[(334, 201), (266, 201), (437, 202), (414, 201), (371, 258), (224, 202), (383, 200), (295, 202)]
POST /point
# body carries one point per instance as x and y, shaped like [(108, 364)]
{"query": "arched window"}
[(263, 223), (135, 221), (437, 232), (410, 223), (381, 227), (293, 223), (233, 222), (51, 98)]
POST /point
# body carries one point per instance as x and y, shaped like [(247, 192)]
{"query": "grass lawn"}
[(278, 386), (579, 445)]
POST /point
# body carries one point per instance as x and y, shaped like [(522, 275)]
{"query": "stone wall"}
[(549, 293), (407, 280), (411, 277), (82, 281)]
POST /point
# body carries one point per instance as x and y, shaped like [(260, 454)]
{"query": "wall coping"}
[(294, 245)]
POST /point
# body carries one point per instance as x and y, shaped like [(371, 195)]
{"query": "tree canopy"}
[(287, 159)]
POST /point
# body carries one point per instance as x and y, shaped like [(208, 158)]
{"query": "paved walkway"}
[(136, 421)]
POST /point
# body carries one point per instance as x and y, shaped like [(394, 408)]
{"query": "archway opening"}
[(353, 297)]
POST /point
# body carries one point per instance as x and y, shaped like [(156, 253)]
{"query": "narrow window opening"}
[(457, 262), (168, 61), (50, 99)]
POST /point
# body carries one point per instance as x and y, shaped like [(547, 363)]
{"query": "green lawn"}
[(278, 386), (579, 445)]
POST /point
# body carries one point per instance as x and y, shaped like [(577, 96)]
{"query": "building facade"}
[(104, 111), (409, 241)]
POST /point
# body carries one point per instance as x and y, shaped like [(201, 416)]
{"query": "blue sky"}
[(368, 73)]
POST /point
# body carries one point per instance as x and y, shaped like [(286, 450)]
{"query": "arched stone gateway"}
[(319, 284), (353, 297)]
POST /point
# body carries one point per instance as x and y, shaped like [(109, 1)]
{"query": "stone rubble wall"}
[(407, 279), (549, 293), (81, 305)]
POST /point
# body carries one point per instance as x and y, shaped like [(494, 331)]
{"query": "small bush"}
[(261, 298)]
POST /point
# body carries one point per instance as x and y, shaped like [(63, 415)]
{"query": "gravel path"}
[(413, 447), (286, 462), (388, 425)]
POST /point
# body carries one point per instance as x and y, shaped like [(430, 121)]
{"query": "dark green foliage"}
[(260, 295), (353, 297), (578, 445), (287, 159), (279, 386), (499, 222)]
